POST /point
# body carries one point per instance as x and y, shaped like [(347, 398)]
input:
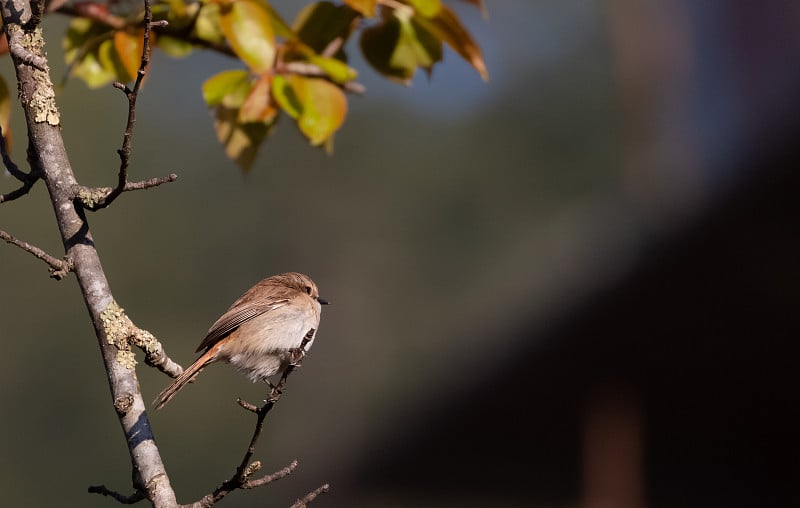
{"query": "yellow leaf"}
[(241, 141), (248, 28)]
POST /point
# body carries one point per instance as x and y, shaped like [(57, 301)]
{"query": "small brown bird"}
[(267, 329)]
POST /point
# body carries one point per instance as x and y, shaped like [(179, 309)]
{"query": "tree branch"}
[(121, 498), (59, 268), (48, 155), (27, 179), (131, 93), (302, 502), (95, 198), (241, 478)]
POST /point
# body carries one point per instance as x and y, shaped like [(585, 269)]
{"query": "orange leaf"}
[(258, 107), (129, 50), (447, 27), (364, 7)]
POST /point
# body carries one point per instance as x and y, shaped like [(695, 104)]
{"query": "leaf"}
[(5, 112), (337, 70), (448, 28), (241, 141), (129, 50), (258, 107), (83, 43), (399, 45), (286, 97), (208, 27), (248, 28), (219, 86), (173, 46), (279, 26), (426, 8), (319, 24), (318, 105), (364, 7)]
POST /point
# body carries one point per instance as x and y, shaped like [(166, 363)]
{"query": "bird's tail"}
[(187, 376)]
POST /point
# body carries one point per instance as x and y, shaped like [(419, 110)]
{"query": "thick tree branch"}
[(116, 333), (48, 155)]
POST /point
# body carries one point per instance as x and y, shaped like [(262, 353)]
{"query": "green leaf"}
[(318, 105), (426, 8), (319, 24), (399, 45), (83, 44), (248, 29), (208, 27), (286, 97), (226, 83), (173, 46), (337, 70)]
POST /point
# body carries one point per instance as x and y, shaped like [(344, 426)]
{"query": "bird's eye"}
[(308, 289)]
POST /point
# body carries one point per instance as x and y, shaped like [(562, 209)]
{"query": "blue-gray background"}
[(451, 212)]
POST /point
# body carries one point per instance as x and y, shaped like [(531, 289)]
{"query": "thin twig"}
[(121, 498), (59, 268), (96, 198), (27, 179), (303, 501), (131, 93), (241, 479), (234, 483)]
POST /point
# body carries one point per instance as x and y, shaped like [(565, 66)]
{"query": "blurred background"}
[(574, 286)]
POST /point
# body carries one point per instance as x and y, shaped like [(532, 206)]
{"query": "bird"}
[(267, 330)]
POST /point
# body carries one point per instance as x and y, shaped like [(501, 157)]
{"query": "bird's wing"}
[(233, 319)]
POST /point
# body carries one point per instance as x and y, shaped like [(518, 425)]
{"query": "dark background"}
[(575, 285)]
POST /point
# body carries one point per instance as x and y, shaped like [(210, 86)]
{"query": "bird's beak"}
[(323, 301)]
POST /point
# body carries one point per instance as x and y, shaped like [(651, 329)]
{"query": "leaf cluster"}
[(300, 69)]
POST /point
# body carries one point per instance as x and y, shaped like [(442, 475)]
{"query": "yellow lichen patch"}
[(126, 358), (117, 325), (119, 330), (43, 101), (90, 197), (146, 341)]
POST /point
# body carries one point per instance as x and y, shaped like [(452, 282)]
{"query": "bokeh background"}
[(575, 285)]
